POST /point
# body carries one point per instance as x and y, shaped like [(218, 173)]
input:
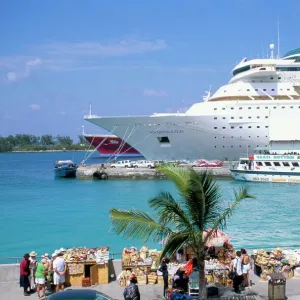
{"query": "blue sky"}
[(125, 57)]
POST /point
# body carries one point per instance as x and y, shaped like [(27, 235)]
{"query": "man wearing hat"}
[(59, 269), (32, 267)]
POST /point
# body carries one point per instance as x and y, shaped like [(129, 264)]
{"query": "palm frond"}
[(174, 242), (169, 211), (222, 219), (179, 176), (137, 224)]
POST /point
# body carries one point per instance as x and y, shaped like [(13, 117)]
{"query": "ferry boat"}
[(233, 119), (269, 166), (65, 168)]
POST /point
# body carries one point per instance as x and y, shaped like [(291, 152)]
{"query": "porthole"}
[(232, 108), (249, 117), (249, 107), (215, 146), (232, 127), (223, 127), (257, 107), (223, 146), (241, 127), (215, 118), (291, 106), (240, 146), (267, 126), (272, 78), (273, 90), (282, 106), (215, 127), (215, 108), (266, 107), (223, 108), (276, 107), (241, 117), (264, 90), (224, 118), (278, 78), (232, 117), (258, 126), (249, 127), (240, 108), (248, 90), (258, 117), (266, 117), (256, 90), (231, 146)]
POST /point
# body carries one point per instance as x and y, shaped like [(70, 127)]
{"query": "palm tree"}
[(180, 222)]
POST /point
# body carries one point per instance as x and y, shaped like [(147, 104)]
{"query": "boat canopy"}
[(62, 162)]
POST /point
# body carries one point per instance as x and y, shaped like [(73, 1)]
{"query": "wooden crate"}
[(152, 279), (103, 274)]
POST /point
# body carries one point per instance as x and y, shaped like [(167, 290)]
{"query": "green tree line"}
[(29, 142)]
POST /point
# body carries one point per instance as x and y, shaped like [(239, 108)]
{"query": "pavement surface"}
[(259, 291)]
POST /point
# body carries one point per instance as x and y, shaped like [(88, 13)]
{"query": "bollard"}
[(276, 287)]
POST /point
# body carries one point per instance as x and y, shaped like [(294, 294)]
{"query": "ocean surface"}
[(41, 213)]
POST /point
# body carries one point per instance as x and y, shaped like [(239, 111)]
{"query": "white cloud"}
[(61, 113), (120, 48), (35, 106), (153, 93), (22, 69)]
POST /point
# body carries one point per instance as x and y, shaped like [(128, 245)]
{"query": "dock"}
[(95, 172)]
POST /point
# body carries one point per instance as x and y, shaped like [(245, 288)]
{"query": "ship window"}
[(257, 107), (276, 164), (232, 117), (223, 108), (248, 90), (223, 146), (266, 117), (249, 126), (259, 163), (273, 90), (224, 136), (249, 117), (272, 78), (232, 127), (279, 77), (215, 118), (291, 106), (288, 89), (231, 146), (249, 107), (266, 107), (232, 107), (268, 164), (240, 146), (224, 127), (256, 89), (258, 126), (215, 146), (282, 106), (215, 109), (240, 108), (215, 127), (163, 140), (258, 117), (286, 164), (241, 127), (241, 117), (267, 126), (295, 164), (224, 118), (264, 90)]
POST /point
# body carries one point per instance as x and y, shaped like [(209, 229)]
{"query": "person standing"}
[(246, 268), (237, 268), (164, 270), (131, 292), (59, 272), (24, 274), (32, 267), (40, 277)]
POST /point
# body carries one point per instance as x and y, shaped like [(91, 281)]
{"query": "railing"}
[(18, 259)]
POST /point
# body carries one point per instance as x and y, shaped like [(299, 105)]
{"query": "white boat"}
[(233, 120), (269, 165)]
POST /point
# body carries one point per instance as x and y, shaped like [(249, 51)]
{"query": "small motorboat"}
[(65, 168)]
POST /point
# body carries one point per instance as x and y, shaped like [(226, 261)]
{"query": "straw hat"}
[(32, 253)]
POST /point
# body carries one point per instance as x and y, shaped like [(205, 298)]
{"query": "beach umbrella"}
[(217, 237)]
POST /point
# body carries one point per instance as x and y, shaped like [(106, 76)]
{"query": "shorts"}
[(58, 279), (246, 268), (40, 280)]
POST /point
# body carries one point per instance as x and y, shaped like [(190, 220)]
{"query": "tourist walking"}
[(237, 268), (48, 268), (131, 292), (59, 271), (246, 268), (24, 274), (164, 270), (40, 277), (32, 267)]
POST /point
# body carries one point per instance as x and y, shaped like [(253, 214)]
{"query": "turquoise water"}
[(41, 213)]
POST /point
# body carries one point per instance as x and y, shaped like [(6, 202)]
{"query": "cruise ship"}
[(232, 121)]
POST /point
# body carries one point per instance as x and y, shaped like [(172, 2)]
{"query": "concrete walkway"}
[(259, 291)]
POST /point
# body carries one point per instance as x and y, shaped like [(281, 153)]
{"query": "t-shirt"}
[(237, 264), (59, 264), (40, 268)]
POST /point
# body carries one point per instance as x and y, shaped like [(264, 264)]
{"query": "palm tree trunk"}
[(202, 280)]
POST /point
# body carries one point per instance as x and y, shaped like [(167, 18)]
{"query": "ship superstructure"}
[(234, 120)]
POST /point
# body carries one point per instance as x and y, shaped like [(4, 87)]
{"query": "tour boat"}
[(269, 166), (228, 122), (65, 168)]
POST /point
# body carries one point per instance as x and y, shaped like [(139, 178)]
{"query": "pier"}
[(94, 172)]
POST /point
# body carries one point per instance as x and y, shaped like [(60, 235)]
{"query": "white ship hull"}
[(266, 176), (187, 140)]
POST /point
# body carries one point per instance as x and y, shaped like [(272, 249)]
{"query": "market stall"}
[(87, 266), (142, 263), (276, 261)]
